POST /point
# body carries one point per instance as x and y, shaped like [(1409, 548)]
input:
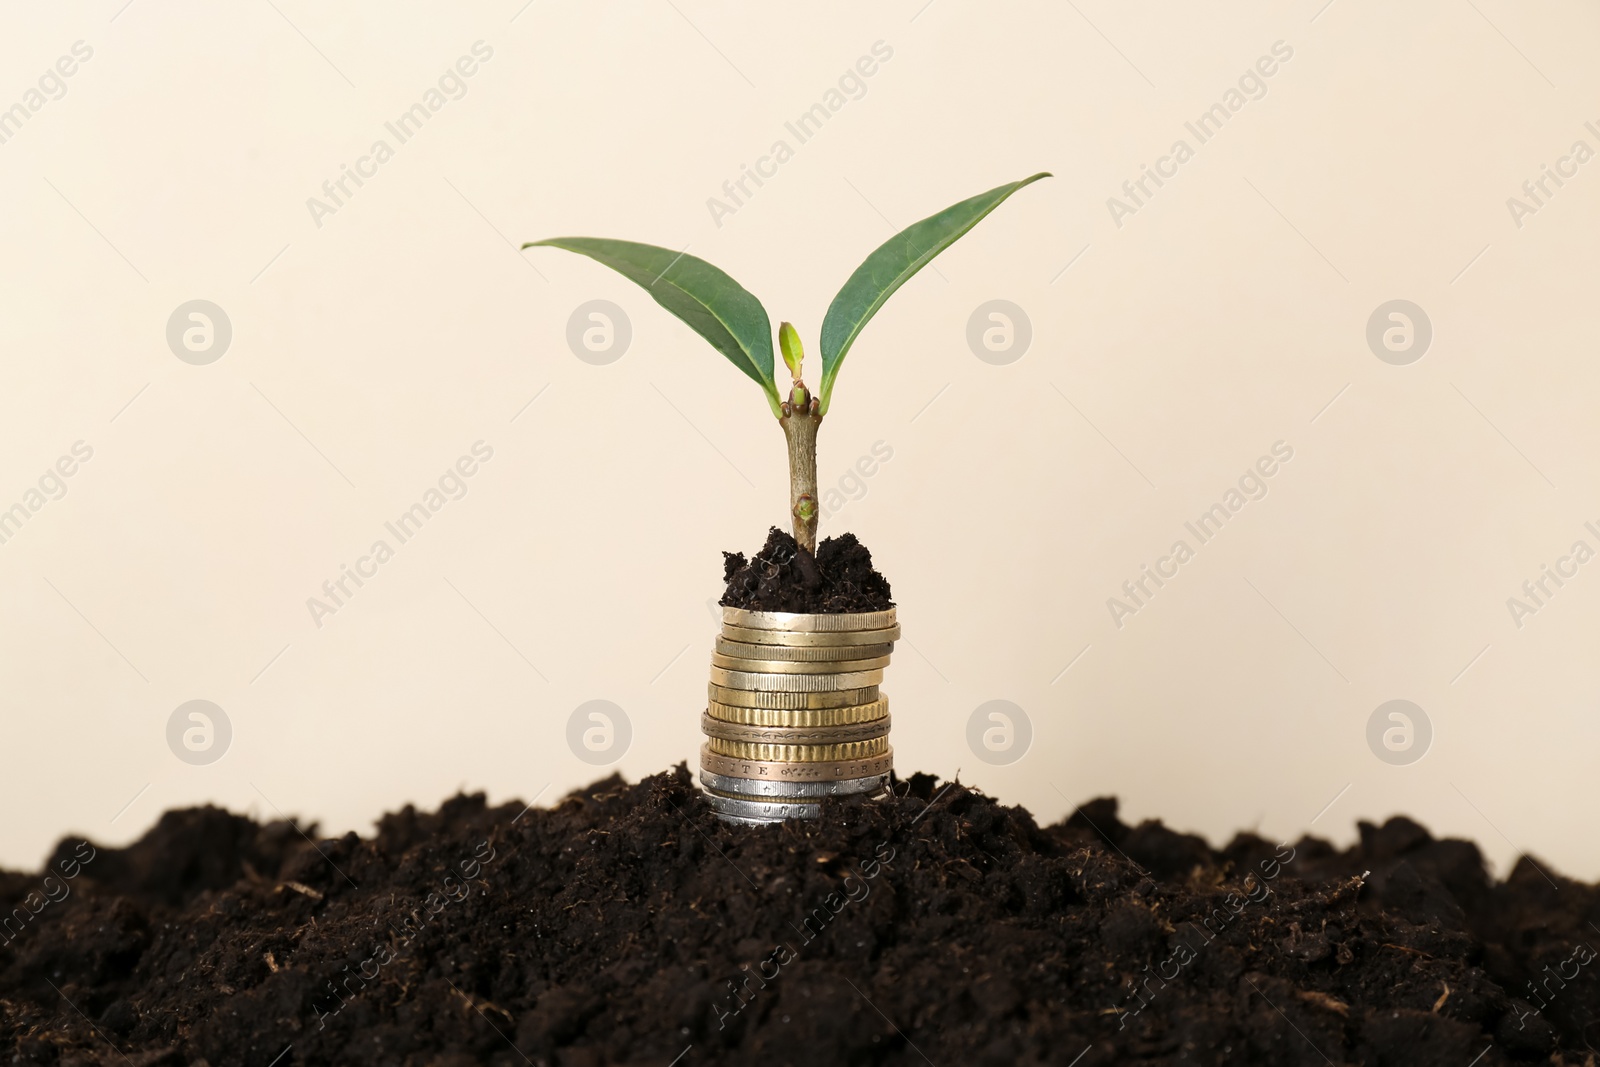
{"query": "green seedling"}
[(727, 315)]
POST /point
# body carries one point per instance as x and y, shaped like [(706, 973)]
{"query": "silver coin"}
[(794, 683), (758, 787), (762, 809), (805, 621), (801, 653), (811, 639), (737, 821), (779, 701)]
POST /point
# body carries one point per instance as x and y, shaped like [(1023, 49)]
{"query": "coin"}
[(793, 735), (764, 810), (721, 783), (794, 772), (828, 753), (875, 710), (801, 654), (793, 683), (751, 698), (810, 639), (808, 622), (779, 666), (739, 821)]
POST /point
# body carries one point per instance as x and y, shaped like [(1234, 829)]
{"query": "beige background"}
[(1228, 313)]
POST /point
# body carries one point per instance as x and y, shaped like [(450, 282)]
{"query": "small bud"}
[(805, 509), (789, 344)]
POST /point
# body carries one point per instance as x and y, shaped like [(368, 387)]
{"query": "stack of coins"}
[(795, 713)]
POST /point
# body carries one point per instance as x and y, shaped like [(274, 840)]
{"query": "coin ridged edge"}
[(836, 752), (729, 696), (810, 718), (784, 734)]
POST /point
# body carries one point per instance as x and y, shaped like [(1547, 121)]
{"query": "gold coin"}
[(750, 698), (801, 654), (793, 735), (781, 666), (809, 639), (794, 718), (773, 771), (844, 750), (773, 682), (808, 622)]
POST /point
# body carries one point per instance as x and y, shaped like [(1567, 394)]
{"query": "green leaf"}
[(789, 345), (890, 266), (712, 304)]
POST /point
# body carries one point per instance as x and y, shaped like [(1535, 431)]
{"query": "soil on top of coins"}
[(783, 576), (627, 925)]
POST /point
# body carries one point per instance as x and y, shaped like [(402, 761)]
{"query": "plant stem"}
[(800, 423)]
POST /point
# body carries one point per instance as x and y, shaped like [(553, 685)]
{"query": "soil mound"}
[(785, 577), (626, 925)]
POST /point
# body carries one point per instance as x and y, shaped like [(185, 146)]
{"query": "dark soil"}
[(785, 577), (626, 925)]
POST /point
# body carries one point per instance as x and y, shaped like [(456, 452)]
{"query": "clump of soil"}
[(783, 576), (626, 925)]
